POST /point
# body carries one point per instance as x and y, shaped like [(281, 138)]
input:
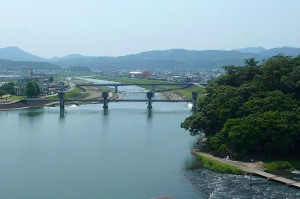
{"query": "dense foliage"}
[(252, 111), (7, 88), (32, 89)]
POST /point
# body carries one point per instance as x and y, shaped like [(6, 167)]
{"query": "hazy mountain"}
[(15, 65), (287, 51), (251, 50), (16, 54), (178, 59)]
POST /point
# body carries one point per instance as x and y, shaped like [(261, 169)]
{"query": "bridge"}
[(105, 95), (105, 100), (152, 85)]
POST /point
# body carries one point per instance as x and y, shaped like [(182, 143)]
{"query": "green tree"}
[(8, 86), (252, 110), (2, 92), (51, 79), (31, 90), (12, 92), (38, 90), (251, 62)]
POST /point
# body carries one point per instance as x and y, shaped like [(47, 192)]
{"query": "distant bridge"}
[(152, 85), (101, 100), (105, 100), (137, 84)]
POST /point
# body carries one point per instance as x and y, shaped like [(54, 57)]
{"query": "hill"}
[(176, 59), (15, 65), (16, 54), (251, 50)]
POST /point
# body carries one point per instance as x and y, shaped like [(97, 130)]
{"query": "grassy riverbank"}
[(217, 166), (281, 165), (8, 98)]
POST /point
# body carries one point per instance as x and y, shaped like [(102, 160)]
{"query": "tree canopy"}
[(32, 89), (252, 110), (8, 88)]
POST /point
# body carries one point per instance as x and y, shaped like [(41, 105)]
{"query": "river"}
[(126, 152)]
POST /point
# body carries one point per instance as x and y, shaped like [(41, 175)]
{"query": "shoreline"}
[(18, 105), (255, 168)]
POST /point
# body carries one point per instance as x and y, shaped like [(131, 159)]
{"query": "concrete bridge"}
[(105, 100), (152, 85)]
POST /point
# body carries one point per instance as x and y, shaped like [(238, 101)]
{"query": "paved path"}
[(252, 168)]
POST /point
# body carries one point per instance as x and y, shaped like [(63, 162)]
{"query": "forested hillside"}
[(252, 111)]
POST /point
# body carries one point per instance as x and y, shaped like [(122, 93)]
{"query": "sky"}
[(49, 28)]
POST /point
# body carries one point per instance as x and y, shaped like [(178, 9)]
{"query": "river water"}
[(126, 152)]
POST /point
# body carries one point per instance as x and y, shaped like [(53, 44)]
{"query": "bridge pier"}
[(149, 96), (61, 96), (62, 113), (116, 89), (153, 90), (194, 97), (105, 99)]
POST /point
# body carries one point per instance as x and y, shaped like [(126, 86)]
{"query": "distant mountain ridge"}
[(251, 49), (15, 65), (16, 54), (177, 59)]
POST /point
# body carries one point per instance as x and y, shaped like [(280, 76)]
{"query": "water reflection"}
[(149, 113), (192, 163), (105, 111), (61, 113), (32, 115), (32, 112)]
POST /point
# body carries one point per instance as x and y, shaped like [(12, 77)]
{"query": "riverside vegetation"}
[(253, 112)]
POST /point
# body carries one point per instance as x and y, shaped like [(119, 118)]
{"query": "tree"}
[(252, 110), (31, 90), (51, 79), (12, 92), (8, 86), (38, 90), (2, 92), (251, 62)]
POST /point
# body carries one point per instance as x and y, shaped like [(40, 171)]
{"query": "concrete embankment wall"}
[(21, 104)]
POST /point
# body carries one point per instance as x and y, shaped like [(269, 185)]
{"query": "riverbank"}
[(255, 168), (21, 104)]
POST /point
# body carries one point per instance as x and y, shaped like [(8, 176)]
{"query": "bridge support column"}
[(62, 113), (153, 90), (149, 96), (194, 97), (61, 96), (116, 89), (105, 99)]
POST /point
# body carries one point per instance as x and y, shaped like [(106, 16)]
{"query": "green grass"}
[(279, 165), (74, 94), (217, 166), (14, 97)]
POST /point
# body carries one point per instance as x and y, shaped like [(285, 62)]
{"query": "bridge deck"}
[(283, 180), (137, 84), (100, 100)]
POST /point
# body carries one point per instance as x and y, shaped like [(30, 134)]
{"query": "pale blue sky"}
[(119, 27)]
